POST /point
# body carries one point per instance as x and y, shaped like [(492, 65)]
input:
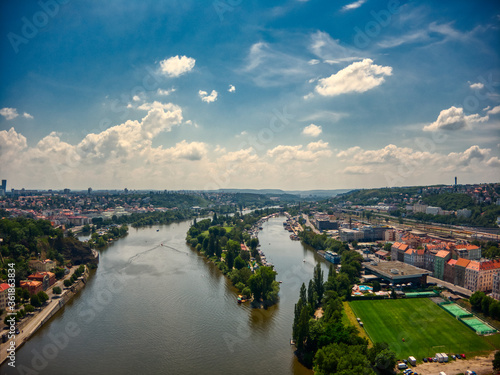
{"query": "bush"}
[(29, 308), (240, 286), (43, 296), (56, 290), (246, 292), (35, 301), (67, 283)]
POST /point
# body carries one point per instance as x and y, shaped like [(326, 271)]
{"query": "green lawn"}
[(228, 230), (426, 328)]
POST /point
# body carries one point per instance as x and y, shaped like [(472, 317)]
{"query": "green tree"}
[(43, 296), (385, 361), (476, 299), (239, 263), (29, 308), (56, 290), (318, 282), (35, 301), (496, 361)]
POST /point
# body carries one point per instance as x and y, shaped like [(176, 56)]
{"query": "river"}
[(154, 306)]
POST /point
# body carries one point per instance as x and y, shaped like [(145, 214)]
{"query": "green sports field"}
[(425, 327)]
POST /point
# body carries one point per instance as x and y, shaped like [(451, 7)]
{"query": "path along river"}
[(154, 306)]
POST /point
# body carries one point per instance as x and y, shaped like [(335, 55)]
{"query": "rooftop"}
[(388, 270)]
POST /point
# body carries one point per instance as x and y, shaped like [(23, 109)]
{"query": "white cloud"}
[(313, 151), (231, 88), (494, 110), (268, 66), (403, 166), (356, 169), (9, 113), (359, 77), (476, 86), (308, 96), (330, 50), (176, 66), (454, 118), (28, 116), (165, 92), (312, 130), (136, 98), (208, 98), (158, 105), (472, 153), (313, 62), (354, 5), (11, 144)]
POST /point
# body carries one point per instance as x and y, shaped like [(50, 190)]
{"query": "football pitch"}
[(425, 327)]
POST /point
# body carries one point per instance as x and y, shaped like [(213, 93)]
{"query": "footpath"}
[(32, 323)]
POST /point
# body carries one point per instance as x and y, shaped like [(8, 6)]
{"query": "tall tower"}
[(3, 188), (455, 181)]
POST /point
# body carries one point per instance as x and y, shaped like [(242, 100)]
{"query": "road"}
[(309, 224), (452, 287)]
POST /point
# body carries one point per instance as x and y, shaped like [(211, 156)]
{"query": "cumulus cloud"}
[(165, 92), (11, 143), (28, 116), (472, 153), (9, 113), (136, 98), (208, 98), (454, 118), (311, 153), (354, 5), (359, 77), (476, 86), (176, 66), (231, 88), (312, 130), (494, 110), (404, 165)]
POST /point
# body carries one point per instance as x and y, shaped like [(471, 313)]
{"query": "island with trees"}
[(226, 241)]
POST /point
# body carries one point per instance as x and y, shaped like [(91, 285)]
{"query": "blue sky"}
[(228, 93)]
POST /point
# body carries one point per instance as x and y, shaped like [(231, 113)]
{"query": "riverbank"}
[(28, 326)]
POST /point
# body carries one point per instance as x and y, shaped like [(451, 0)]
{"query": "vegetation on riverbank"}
[(327, 344), (220, 239), (26, 239)]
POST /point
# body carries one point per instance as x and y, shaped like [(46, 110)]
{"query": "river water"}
[(154, 306)]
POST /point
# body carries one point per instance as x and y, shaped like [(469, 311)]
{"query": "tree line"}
[(326, 344), (220, 238)]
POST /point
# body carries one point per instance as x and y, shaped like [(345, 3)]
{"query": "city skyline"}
[(300, 95)]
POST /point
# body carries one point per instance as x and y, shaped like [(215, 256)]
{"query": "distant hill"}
[(302, 193)]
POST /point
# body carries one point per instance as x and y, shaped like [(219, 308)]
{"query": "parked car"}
[(457, 356), (424, 359), (430, 359), (462, 355), (453, 356)]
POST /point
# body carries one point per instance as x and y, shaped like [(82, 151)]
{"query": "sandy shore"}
[(481, 365)]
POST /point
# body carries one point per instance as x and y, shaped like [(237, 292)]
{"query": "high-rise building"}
[(3, 188)]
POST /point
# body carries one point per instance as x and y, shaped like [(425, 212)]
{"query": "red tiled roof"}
[(452, 262), (4, 286), (462, 262), (490, 265), (474, 265), (442, 254)]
